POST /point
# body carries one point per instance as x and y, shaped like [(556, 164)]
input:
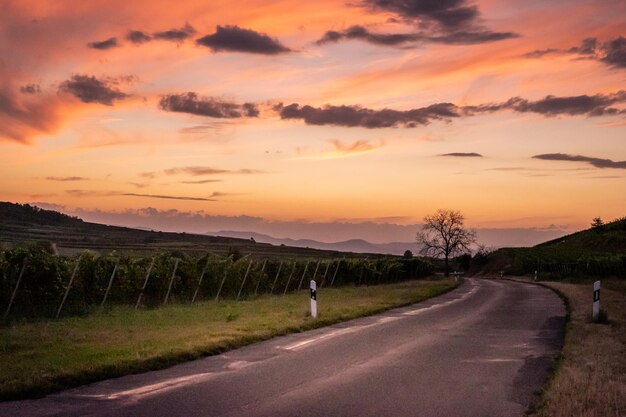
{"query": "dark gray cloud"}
[(472, 37), (612, 52), (207, 106), (66, 179), (615, 52), (449, 14), (352, 116), (91, 90), (103, 45), (588, 46), (596, 162), (176, 35), (137, 36), (451, 22), (361, 33), (236, 39), (357, 116), (397, 39), (463, 154), (30, 89), (596, 105)]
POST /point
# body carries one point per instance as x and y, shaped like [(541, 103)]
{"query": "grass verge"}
[(43, 357), (590, 377)]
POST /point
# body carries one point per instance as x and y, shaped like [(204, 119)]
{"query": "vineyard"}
[(34, 282)]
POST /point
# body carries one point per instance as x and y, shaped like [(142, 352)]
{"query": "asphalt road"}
[(481, 350)]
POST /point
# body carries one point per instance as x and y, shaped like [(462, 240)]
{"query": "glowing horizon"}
[(321, 111)]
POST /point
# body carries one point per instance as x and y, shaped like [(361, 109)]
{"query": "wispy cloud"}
[(463, 154), (201, 181), (203, 170), (89, 89), (361, 33), (596, 162), (175, 35), (611, 52), (215, 107), (67, 179), (340, 150), (169, 197), (455, 22), (93, 193), (357, 116), (104, 45)]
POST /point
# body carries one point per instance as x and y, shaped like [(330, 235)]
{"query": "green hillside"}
[(609, 238), (24, 224), (599, 251)]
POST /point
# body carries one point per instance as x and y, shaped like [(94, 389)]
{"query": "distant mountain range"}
[(352, 245)]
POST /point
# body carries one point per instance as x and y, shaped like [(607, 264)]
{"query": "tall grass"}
[(40, 357)]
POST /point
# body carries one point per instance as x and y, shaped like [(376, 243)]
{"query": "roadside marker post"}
[(313, 299), (106, 294), (596, 301), (169, 287), (535, 275), (17, 285)]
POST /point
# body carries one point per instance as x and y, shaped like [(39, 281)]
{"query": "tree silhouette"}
[(443, 235)]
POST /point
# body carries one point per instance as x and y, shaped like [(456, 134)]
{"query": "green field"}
[(41, 357)]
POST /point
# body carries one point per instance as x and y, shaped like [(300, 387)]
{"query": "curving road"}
[(483, 349)]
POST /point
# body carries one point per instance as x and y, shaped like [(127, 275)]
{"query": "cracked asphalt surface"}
[(484, 349)]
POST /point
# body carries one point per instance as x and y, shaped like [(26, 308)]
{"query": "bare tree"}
[(443, 234)]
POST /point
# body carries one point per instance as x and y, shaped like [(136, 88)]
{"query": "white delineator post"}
[(596, 300), (313, 299)]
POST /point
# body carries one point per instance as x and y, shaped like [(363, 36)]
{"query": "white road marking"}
[(492, 360), (387, 319), (147, 390)]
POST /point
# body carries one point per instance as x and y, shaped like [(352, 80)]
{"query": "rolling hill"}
[(594, 252), (23, 224)]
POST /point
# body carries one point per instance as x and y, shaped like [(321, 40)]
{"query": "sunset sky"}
[(328, 111)]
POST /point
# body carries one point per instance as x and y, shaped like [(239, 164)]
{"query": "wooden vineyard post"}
[(69, 286), (293, 270), (335, 274), (106, 294), (195, 294), (256, 289), (219, 291), (17, 286), (303, 274), (280, 266), (169, 288), (244, 281), (325, 273), (145, 282)]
